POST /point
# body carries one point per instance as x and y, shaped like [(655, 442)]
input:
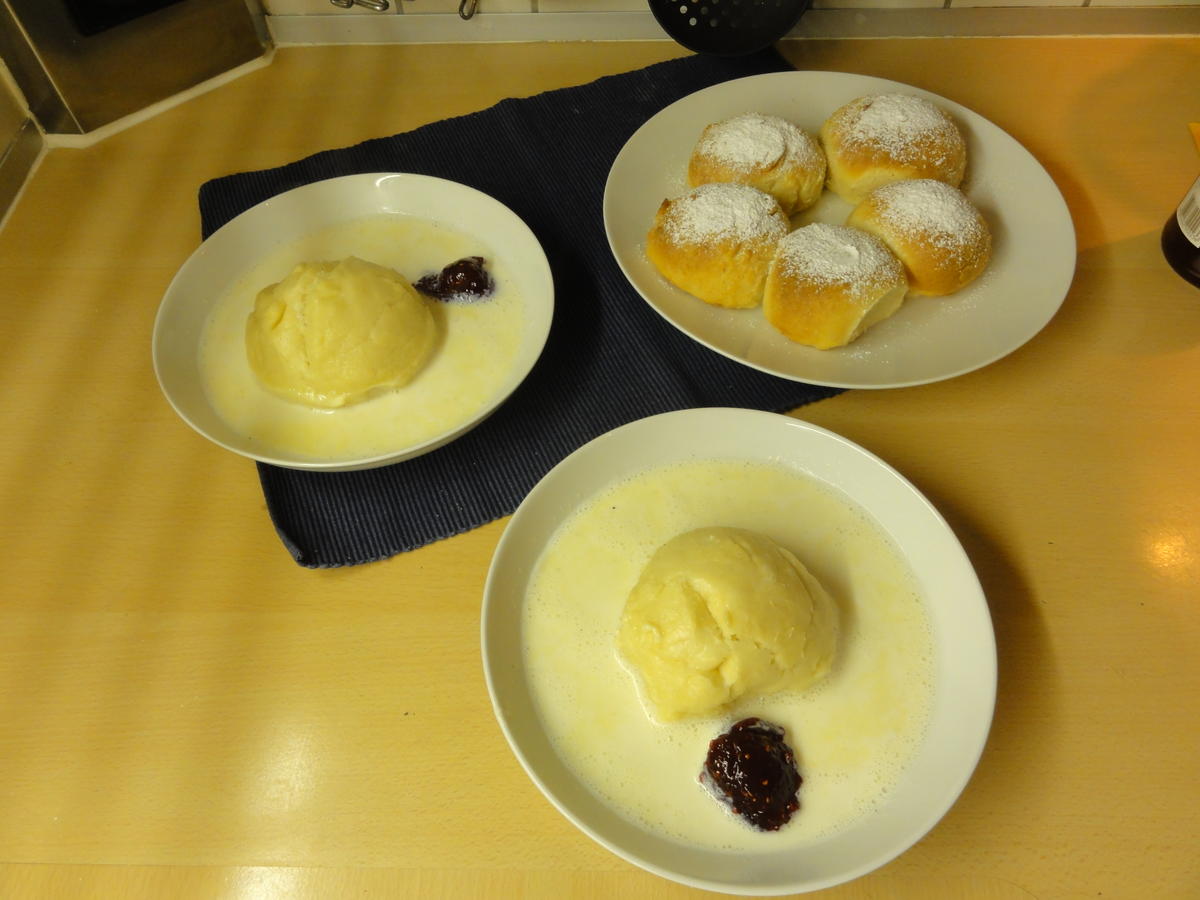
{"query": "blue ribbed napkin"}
[(610, 359)]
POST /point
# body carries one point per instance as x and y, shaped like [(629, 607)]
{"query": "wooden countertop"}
[(187, 713)]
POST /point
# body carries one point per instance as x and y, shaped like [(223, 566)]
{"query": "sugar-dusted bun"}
[(883, 138), (937, 233), (829, 283), (765, 152), (716, 242)]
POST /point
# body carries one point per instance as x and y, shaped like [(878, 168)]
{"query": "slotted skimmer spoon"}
[(727, 27)]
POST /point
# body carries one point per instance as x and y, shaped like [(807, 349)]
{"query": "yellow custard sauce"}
[(853, 733), (477, 345)]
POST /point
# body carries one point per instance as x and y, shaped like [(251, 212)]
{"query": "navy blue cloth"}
[(610, 359)]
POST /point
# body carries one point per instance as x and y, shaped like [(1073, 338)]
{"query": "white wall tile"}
[(877, 4), (419, 7), (959, 4), (320, 8), (590, 5), (1149, 3)]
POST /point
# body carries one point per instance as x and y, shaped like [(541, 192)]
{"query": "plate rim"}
[(511, 534), (211, 244), (1053, 197)]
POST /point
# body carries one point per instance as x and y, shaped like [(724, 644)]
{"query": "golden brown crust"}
[(766, 152), (828, 284), (875, 140), (941, 238), (716, 243)]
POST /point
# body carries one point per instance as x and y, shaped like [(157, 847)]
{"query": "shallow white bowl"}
[(237, 246), (965, 663)]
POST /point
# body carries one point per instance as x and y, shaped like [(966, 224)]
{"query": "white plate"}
[(964, 645), (930, 338), (235, 248)]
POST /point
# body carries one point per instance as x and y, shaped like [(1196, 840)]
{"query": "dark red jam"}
[(466, 277), (753, 770)]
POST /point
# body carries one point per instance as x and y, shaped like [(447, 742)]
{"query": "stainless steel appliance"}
[(84, 63)]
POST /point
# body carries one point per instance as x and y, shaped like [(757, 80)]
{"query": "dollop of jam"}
[(753, 770), (464, 277)]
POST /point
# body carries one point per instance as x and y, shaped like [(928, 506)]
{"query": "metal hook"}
[(466, 8), (377, 5)]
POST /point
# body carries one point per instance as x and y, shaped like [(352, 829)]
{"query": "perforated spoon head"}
[(727, 27)]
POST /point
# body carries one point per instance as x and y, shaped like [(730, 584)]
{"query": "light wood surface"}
[(184, 712)]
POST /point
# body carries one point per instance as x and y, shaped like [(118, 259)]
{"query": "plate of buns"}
[(839, 229)]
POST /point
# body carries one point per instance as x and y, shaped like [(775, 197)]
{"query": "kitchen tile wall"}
[(324, 7), (292, 22)]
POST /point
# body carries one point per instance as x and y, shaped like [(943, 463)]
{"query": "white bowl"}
[(964, 665), (234, 250)]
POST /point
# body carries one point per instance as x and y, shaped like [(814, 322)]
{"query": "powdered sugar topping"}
[(902, 125), (932, 212), (837, 255), (719, 212), (753, 142)]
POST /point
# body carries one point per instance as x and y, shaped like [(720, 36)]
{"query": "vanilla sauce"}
[(852, 734), (478, 343)]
